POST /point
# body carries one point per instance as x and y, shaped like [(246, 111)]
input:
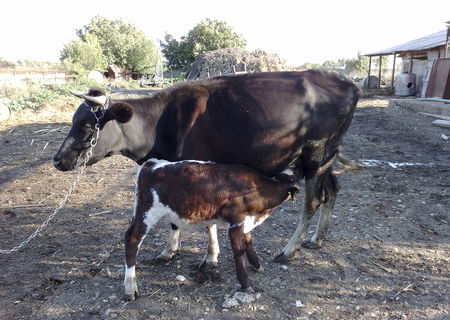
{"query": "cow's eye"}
[(88, 126)]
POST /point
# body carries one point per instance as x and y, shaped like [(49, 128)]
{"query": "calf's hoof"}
[(260, 269), (311, 245), (283, 259), (207, 265)]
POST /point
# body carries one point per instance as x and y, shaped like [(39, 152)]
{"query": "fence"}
[(20, 79)]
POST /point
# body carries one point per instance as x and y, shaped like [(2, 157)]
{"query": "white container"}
[(405, 84)]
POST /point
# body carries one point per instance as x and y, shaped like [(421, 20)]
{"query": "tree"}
[(360, 64), (206, 36), (81, 56), (120, 43)]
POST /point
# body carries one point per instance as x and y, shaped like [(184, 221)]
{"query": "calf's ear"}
[(120, 111)]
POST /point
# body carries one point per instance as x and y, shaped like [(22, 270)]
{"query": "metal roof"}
[(433, 40)]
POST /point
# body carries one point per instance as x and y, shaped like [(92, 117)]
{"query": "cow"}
[(192, 192), (265, 121)]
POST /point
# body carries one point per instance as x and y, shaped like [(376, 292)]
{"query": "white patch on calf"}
[(157, 211), (160, 163), (250, 222), (288, 172), (130, 280)]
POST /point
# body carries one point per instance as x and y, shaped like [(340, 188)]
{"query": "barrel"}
[(405, 84)]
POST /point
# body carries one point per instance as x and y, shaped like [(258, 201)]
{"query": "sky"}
[(298, 31)]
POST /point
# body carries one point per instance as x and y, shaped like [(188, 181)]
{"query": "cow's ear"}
[(121, 111)]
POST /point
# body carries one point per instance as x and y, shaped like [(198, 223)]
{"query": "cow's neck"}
[(139, 132)]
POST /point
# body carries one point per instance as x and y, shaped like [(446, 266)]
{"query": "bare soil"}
[(387, 255)]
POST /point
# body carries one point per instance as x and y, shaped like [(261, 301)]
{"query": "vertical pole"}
[(379, 73), (368, 77), (393, 73), (410, 62), (446, 39)]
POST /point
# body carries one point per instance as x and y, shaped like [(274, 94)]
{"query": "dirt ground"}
[(387, 255)]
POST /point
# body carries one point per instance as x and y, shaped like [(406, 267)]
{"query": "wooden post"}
[(410, 62), (368, 77), (379, 74), (393, 73)]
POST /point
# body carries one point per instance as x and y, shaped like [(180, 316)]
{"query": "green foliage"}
[(208, 35), (81, 56), (357, 65), (104, 42), (32, 97)]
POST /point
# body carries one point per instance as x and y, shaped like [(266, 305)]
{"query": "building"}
[(427, 62)]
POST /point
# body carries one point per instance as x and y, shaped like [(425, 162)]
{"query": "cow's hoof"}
[(311, 245), (131, 297), (260, 269), (282, 258), (159, 259)]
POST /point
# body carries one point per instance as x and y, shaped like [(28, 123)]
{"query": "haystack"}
[(234, 60)]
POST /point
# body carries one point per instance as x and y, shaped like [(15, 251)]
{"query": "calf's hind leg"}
[(172, 244), (238, 245), (251, 253)]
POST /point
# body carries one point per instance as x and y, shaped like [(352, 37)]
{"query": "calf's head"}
[(73, 150)]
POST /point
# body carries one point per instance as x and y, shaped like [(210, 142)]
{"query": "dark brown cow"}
[(266, 121), (201, 193)]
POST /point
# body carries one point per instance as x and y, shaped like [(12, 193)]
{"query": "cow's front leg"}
[(172, 244), (210, 259)]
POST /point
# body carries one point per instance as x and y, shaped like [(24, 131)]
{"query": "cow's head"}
[(72, 152)]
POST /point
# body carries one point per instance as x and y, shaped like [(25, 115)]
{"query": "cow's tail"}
[(345, 163)]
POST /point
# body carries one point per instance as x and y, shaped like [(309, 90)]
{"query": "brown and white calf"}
[(204, 193)]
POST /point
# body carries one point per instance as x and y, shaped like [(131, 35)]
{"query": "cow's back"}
[(263, 120)]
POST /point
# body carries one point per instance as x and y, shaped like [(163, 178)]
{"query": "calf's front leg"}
[(133, 240)]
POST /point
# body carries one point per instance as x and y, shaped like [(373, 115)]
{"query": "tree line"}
[(103, 42)]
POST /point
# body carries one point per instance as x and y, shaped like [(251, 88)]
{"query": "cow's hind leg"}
[(320, 187), (322, 226), (172, 244), (310, 205)]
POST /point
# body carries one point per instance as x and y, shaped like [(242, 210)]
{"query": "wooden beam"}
[(393, 73), (368, 77), (379, 73), (410, 62)]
